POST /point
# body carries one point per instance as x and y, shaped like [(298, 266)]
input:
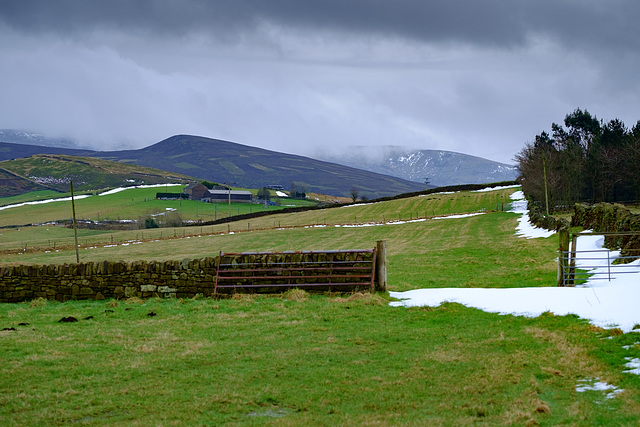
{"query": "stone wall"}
[(99, 280), (613, 218), (164, 279)]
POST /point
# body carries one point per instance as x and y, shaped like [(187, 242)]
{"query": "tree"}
[(264, 194), (589, 160), (354, 194)]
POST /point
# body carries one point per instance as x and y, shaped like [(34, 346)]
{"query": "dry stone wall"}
[(99, 280), (606, 217), (164, 279)]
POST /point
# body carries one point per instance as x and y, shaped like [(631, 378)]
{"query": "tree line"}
[(586, 160)]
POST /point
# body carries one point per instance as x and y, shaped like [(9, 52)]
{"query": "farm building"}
[(219, 196), (196, 190)]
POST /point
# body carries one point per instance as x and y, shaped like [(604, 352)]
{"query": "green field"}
[(130, 204), (300, 359)]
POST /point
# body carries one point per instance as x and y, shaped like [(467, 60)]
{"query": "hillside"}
[(10, 150), (441, 168), (13, 185), (252, 167), (55, 171)]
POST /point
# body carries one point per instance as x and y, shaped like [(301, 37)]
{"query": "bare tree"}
[(354, 194)]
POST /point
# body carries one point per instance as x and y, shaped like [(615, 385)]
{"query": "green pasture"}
[(28, 197), (130, 204), (299, 359), (477, 251)]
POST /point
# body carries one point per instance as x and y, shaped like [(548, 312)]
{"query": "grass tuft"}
[(364, 298), (38, 302), (296, 295)]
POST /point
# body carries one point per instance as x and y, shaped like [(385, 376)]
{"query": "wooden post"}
[(546, 191), (75, 228), (572, 256), (381, 266), (563, 247)]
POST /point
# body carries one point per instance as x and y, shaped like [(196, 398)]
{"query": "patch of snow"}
[(459, 216), (603, 303), (633, 365), (591, 385), (525, 228), (358, 204), (119, 189), (281, 193), (501, 187), (40, 202)]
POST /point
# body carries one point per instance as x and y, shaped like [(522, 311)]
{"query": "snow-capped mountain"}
[(440, 168), (30, 138)]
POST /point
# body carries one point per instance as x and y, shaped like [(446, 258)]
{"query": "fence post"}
[(381, 266), (563, 248)]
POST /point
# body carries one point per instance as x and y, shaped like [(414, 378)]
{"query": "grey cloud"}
[(480, 77), (492, 22)]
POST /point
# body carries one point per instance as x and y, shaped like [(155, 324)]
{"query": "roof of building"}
[(233, 192)]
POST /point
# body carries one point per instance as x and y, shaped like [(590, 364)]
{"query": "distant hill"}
[(30, 138), (391, 171), (10, 151), (441, 168), (55, 171), (251, 167)]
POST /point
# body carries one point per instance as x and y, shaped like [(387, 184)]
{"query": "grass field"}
[(300, 359), (130, 204)]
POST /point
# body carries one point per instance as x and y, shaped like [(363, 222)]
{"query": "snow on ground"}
[(633, 365), (119, 189), (503, 187), (358, 204), (525, 228), (594, 385), (409, 221), (604, 303), (458, 216), (281, 194), (83, 196), (40, 202)]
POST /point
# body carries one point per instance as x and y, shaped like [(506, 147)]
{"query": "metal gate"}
[(576, 266)]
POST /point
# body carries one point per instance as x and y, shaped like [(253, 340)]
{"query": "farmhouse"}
[(196, 190), (220, 196)]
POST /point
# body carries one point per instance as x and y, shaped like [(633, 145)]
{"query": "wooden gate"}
[(267, 271)]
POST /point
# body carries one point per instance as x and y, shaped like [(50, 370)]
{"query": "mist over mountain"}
[(440, 168), (31, 138)]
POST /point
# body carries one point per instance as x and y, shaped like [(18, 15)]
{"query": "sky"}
[(481, 78), (605, 303)]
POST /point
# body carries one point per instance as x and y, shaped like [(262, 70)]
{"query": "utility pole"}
[(75, 228), (544, 172)]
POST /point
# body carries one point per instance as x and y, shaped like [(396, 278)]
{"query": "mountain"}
[(10, 151), (240, 165), (441, 168), (374, 172), (30, 138)]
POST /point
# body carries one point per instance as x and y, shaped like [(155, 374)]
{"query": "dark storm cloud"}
[(505, 23), (480, 77)]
